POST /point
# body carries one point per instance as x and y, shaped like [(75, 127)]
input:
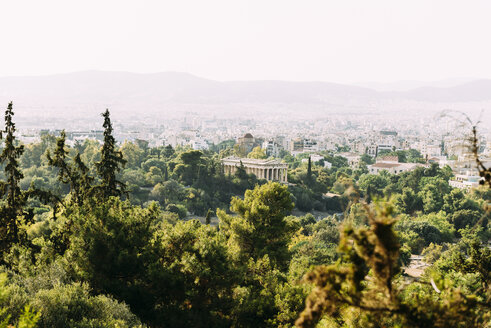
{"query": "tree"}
[(367, 159), (169, 274), (133, 154), (189, 167), (12, 214), (168, 151), (466, 218), (107, 248), (484, 172), (27, 319), (362, 290), (456, 201), (373, 184), (309, 171), (257, 153), (111, 163), (75, 174), (408, 202), (261, 228)]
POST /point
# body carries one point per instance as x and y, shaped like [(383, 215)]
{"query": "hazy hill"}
[(406, 85), (479, 90), (122, 87), (95, 88)]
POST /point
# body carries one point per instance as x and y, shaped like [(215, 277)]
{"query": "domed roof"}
[(248, 136)]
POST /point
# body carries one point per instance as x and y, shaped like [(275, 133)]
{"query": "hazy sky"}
[(329, 40)]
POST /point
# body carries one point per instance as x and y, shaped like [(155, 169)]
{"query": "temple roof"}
[(252, 161)]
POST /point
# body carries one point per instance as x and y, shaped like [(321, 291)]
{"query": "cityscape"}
[(245, 164)]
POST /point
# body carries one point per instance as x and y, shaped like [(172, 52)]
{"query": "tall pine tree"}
[(309, 172), (110, 164), (12, 214), (75, 174)]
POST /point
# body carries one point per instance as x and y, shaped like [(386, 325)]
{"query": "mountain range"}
[(156, 89), (82, 95)]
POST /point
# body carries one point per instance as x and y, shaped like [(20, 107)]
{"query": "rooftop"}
[(383, 159), (385, 165)]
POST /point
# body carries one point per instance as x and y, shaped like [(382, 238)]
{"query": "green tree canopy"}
[(257, 153), (261, 228)]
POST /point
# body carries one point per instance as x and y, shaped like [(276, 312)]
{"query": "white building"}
[(353, 159), (272, 148), (463, 181), (394, 168), (310, 146), (372, 150), (199, 144), (391, 164), (430, 150)]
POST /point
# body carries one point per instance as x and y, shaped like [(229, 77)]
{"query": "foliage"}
[(260, 228), (365, 290), (14, 213), (111, 162), (104, 261), (257, 153)]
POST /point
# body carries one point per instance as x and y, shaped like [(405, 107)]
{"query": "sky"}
[(341, 41)]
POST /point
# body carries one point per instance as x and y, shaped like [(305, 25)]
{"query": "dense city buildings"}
[(350, 136)]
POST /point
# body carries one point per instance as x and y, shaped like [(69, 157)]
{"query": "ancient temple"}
[(269, 169)]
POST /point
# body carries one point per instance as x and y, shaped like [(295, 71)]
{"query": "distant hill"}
[(155, 90), (479, 90), (109, 87), (406, 85)]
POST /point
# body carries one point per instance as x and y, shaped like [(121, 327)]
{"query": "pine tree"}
[(12, 214), (309, 171), (110, 164), (75, 174), (260, 228)]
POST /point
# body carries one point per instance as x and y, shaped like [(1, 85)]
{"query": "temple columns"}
[(270, 173)]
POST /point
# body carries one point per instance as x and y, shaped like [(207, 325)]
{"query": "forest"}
[(102, 234)]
